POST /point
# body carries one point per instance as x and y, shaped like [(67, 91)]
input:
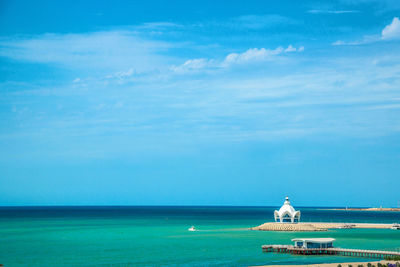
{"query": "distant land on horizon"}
[(368, 209)]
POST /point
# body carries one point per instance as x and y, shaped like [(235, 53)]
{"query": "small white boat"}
[(192, 229), (395, 226)]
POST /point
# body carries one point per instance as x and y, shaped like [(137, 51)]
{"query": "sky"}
[(200, 102)]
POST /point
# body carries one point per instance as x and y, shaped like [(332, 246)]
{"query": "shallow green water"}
[(149, 237)]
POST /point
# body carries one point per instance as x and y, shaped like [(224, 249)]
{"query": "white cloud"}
[(121, 75), (392, 31), (336, 97), (251, 55), (290, 48), (124, 74), (258, 54), (194, 64), (339, 42)]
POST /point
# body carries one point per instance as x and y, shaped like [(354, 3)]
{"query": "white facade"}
[(287, 214), (313, 242)]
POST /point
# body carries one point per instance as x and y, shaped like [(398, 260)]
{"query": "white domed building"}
[(287, 214)]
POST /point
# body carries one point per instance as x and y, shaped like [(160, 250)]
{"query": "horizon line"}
[(129, 205)]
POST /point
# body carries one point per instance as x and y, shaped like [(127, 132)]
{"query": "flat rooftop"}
[(314, 240)]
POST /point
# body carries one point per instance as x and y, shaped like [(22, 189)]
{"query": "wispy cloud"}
[(258, 21), (332, 99), (121, 74), (239, 23), (365, 40), (325, 11), (261, 102), (158, 25), (258, 54), (252, 55), (109, 50), (195, 64), (122, 54)]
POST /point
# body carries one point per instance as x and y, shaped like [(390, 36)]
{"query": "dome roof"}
[(287, 213), (286, 207)]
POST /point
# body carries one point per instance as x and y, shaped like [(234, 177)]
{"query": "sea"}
[(159, 236)]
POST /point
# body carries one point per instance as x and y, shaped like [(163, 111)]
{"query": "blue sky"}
[(200, 103)]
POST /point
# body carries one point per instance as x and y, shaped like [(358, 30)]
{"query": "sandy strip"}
[(309, 227), (354, 225), (296, 227), (367, 209), (344, 264)]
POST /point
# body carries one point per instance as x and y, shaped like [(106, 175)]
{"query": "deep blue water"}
[(263, 214)]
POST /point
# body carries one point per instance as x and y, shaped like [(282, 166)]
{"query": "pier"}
[(376, 254)]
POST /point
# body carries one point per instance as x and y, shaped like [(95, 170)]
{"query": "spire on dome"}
[(287, 201)]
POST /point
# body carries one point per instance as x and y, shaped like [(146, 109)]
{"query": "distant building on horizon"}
[(287, 214)]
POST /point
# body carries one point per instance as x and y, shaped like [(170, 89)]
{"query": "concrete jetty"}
[(317, 226)]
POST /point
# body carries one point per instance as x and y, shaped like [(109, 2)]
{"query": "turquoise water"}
[(158, 236)]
